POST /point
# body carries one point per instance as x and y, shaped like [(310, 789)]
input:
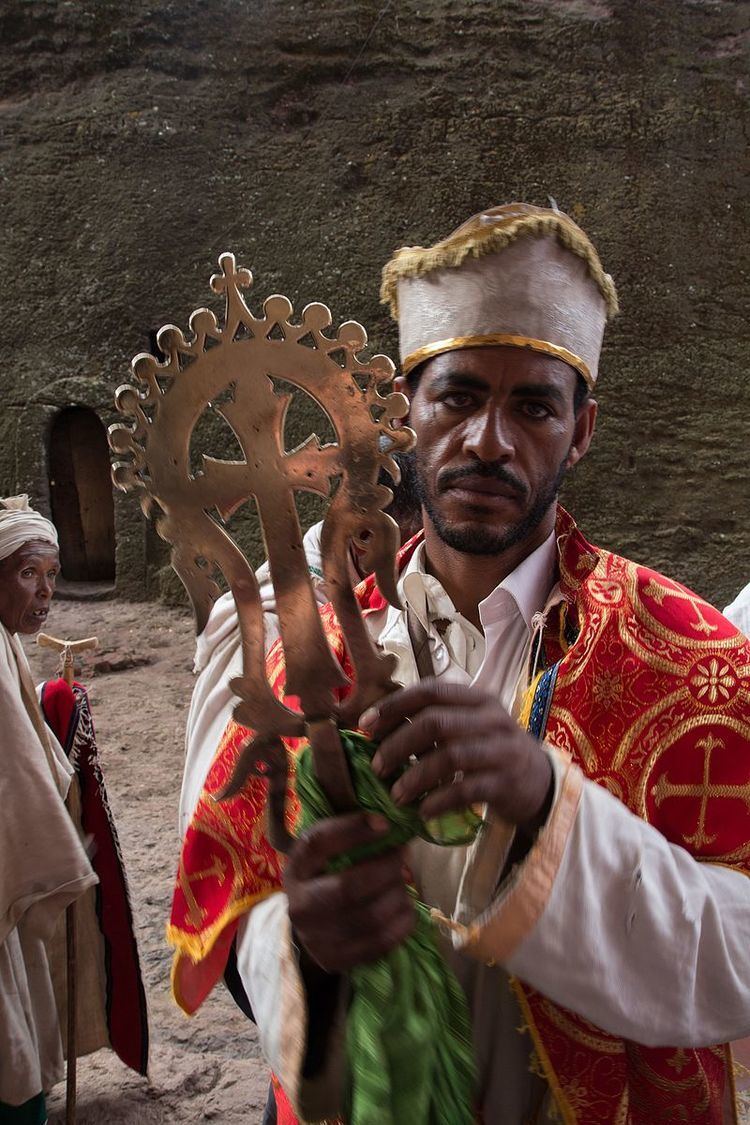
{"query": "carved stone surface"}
[(137, 136)]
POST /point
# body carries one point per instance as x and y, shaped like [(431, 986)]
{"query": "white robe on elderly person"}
[(43, 868), (43, 865)]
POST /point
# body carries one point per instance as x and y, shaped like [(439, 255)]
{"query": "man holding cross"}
[(596, 711)]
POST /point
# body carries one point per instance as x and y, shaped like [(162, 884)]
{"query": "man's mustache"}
[(489, 470)]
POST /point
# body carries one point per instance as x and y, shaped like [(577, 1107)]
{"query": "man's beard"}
[(481, 540), (406, 507)]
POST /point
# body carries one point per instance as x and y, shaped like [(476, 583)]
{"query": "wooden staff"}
[(67, 649)]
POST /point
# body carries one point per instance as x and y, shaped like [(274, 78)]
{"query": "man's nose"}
[(488, 436), (46, 587)]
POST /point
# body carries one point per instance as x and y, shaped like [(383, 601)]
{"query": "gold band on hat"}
[(453, 343)]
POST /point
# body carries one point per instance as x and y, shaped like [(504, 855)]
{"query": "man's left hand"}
[(464, 749)]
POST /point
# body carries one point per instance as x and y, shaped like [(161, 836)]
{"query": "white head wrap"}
[(19, 524)]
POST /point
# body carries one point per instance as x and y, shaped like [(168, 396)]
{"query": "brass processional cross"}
[(236, 363)]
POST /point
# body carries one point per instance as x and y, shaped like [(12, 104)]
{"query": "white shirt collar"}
[(528, 586), (524, 590), (423, 592)]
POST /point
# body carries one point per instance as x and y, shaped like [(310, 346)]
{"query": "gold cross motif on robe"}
[(659, 591), (664, 789), (679, 1060), (217, 870)]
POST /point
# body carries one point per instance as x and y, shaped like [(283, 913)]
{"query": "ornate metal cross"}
[(236, 363)]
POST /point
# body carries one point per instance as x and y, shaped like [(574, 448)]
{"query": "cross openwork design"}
[(664, 789), (234, 368)]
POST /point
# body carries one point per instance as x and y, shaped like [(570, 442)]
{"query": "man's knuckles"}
[(394, 709), (326, 840), (376, 918), (367, 881), (311, 901), (436, 722), (434, 770), (314, 902), (381, 941), (416, 738), (346, 938)]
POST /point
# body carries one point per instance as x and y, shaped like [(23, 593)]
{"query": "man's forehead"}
[(500, 364), (35, 551)]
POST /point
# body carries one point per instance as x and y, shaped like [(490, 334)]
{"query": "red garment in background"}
[(66, 711)]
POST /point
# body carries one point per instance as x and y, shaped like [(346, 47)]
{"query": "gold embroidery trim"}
[(562, 1104), (196, 947), (453, 343), (603, 1044), (497, 933)]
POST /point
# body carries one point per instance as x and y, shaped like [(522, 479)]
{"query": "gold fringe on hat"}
[(475, 239)]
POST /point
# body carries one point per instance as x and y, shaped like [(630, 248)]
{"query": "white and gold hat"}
[(518, 275)]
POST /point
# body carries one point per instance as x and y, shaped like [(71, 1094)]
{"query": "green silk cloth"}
[(408, 1033)]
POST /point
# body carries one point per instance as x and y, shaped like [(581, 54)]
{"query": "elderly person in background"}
[(72, 804), (43, 865)]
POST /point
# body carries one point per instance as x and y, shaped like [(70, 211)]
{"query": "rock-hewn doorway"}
[(81, 495)]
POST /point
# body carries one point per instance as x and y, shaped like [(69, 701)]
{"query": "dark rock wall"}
[(139, 140)]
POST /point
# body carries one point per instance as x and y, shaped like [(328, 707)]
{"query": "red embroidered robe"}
[(647, 690)]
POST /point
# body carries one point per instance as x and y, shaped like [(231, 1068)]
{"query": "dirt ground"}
[(207, 1068)]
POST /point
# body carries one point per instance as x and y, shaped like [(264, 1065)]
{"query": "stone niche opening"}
[(81, 495)]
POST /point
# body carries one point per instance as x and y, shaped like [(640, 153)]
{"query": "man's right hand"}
[(357, 915)]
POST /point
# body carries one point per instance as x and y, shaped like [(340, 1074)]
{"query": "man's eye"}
[(536, 409), (457, 400)]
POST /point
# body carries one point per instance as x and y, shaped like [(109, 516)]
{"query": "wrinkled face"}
[(27, 583), (496, 431)]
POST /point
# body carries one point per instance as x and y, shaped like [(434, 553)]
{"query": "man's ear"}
[(583, 432)]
